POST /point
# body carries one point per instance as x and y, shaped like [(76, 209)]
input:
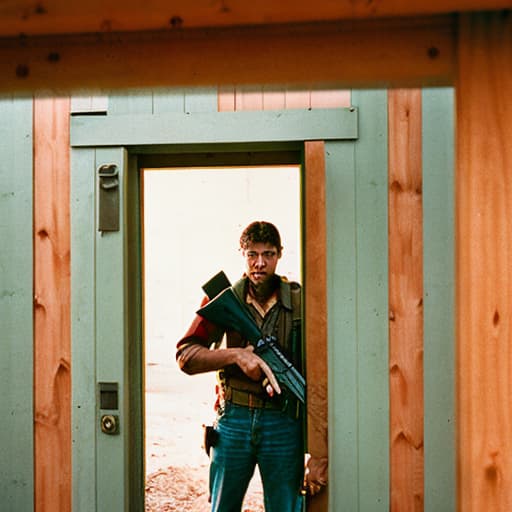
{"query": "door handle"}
[(108, 197)]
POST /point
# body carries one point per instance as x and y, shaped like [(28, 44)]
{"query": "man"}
[(258, 423)]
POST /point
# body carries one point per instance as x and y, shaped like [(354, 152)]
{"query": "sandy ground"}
[(177, 405)]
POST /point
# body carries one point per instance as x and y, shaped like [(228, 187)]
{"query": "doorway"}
[(192, 220), (106, 267)]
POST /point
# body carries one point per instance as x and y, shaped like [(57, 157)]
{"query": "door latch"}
[(109, 399), (108, 197)]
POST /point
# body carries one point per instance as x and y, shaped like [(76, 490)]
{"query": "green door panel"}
[(83, 329), (110, 345), (16, 306), (439, 299), (99, 334), (371, 180), (356, 184), (106, 312)]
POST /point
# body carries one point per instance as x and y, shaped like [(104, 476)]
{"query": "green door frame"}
[(357, 295), (106, 275)]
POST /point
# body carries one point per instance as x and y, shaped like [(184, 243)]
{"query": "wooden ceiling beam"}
[(46, 17), (377, 53)]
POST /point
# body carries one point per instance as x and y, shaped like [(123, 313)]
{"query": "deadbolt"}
[(110, 424)]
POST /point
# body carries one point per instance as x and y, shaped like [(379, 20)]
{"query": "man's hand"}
[(315, 477), (254, 367)]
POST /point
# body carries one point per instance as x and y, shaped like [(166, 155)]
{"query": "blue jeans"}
[(268, 438)]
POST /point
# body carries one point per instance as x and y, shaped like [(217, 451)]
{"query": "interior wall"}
[(203, 100)]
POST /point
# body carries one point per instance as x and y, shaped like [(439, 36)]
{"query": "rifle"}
[(227, 311)]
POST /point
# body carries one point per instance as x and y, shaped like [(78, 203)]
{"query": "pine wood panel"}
[(52, 341), (315, 324), (226, 98), (274, 98), (330, 55), (330, 98), (56, 16), (405, 300), (249, 98), (484, 256)]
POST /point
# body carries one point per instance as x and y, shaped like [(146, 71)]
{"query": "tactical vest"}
[(285, 326)]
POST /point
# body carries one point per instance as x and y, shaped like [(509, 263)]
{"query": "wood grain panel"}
[(483, 261), (330, 98), (329, 55), (298, 98), (226, 98), (104, 16), (249, 98), (52, 343), (275, 98), (315, 324), (405, 300)]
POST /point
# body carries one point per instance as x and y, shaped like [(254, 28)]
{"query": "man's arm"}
[(197, 358)]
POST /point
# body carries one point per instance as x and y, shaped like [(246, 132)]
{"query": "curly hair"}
[(260, 232)]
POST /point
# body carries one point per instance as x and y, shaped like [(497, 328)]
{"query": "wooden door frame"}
[(216, 133)]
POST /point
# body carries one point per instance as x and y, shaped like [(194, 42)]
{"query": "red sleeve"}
[(201, 331)]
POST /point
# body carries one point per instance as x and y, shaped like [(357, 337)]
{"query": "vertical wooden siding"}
[(194, 99), (405, 300), (357, 284), (52, 341), (265, 98), (484, 256), (316, 308), (16, 305), (439, 299), (405, 153)]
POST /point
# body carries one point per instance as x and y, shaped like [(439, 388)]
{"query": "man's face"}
[(261, 261)]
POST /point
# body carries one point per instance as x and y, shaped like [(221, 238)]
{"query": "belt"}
[(239, 397), (289, 405)]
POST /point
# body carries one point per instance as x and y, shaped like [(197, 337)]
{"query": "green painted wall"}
[(16, 306), (356, 183), (357, 260), (439, 299)]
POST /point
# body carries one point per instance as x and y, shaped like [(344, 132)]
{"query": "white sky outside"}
[(193, 222)]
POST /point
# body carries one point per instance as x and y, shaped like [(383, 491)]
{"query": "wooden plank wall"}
[(483, 266), (52, 336), (315, 290), (405, 300), (16, 305), (405, 280), (238, 98), (484, 256), (105, 17), (357, 260)]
